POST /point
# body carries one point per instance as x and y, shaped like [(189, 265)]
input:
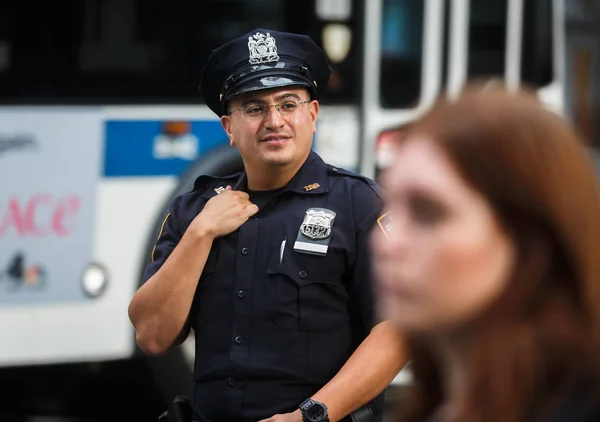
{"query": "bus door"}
[(417, 51)]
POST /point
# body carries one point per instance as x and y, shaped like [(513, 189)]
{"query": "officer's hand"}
[(224, 213)]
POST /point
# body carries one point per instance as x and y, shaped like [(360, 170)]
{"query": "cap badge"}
[(262, 48)]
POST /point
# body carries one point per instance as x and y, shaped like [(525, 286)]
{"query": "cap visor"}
[(267, 82)]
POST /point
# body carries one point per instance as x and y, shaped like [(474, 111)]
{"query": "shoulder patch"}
[(162, 228), (386, 223)]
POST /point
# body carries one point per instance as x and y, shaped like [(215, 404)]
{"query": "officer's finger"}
[(250, 210), (241, 194)]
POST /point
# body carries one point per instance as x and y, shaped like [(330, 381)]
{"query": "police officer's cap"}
[(262, 59)]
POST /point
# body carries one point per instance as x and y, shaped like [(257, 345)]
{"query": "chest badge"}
[(315, 231)]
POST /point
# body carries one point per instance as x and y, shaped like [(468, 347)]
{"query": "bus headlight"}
[(94, 280)]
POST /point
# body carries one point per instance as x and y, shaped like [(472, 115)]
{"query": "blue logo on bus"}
[(157, 148)]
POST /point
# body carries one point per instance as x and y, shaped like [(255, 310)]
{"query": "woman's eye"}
[(427, 212)]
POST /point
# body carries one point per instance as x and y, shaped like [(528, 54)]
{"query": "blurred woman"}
[(493, 265)]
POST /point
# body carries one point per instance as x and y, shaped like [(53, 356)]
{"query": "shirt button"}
[(302, 274), (241, 294), (238, 340), (231, 381), (245, 251)]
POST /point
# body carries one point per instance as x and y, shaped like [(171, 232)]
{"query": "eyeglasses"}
[(256, 112)]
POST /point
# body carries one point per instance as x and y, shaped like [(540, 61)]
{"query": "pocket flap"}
[(307, 269)]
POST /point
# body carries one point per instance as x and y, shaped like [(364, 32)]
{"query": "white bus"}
[(101, 126)]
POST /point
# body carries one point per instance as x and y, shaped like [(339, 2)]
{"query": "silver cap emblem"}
[(262, 48), (317, 223)]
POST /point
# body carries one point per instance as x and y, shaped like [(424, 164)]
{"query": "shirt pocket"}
[(308, 290)]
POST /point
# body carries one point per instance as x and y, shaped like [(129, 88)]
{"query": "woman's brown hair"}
[(540, 338)]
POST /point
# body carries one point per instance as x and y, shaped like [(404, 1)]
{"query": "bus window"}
[(487, 40), (537, 68), (131, 51), (401, 53)]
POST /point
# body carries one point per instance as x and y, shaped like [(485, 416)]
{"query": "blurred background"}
[(101, 126)]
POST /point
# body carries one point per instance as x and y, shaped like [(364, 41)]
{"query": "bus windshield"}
[(401, 53), (402, 30), (150, 51)]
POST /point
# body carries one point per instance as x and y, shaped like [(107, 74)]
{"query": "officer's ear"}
[(314, 113), (226, 123)]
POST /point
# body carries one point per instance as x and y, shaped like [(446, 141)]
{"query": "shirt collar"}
[(311, 178)]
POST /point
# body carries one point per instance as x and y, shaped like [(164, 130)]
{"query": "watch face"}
[(315, 412)]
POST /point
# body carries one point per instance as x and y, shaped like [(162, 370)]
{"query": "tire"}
[(173, 371)]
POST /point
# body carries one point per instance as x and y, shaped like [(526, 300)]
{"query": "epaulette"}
[(206, 182), (344, 172)]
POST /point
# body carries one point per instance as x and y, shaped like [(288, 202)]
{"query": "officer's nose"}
[(274, 120)]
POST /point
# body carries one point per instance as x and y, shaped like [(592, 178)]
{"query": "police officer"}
[(270, 267)]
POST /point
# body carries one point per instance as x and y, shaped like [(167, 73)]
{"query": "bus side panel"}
[(50, 162)]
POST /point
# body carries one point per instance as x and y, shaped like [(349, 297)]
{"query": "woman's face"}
[(446, 258)]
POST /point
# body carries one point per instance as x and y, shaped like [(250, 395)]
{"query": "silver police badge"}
[(262, 48), (317, 223)]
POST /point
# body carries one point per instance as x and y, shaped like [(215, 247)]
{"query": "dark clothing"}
[(584, 414), (274, 324), (583, 405), (262, 198)]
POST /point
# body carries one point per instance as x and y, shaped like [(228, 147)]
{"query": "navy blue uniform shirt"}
[(272, 324)]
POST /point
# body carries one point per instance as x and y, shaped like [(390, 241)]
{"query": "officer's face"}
[(446, 259), (278, 138)]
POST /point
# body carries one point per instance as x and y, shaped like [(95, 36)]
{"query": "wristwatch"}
[(313, 411)]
